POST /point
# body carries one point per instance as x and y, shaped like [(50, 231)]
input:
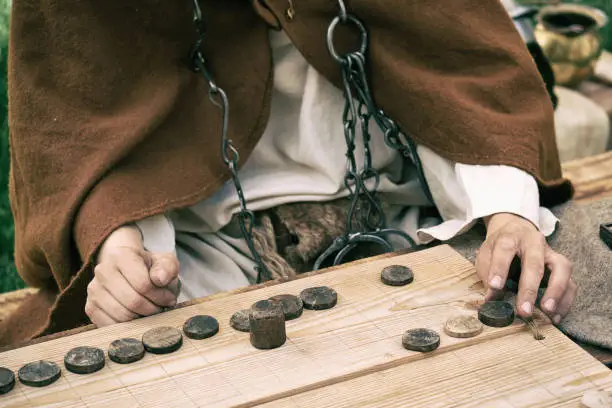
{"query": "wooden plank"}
[(591, 176), (483, 375), (328, 353)]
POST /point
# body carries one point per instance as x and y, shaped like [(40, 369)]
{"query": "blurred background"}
[(9, 279)]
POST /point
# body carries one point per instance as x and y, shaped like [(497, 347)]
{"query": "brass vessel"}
[(570, 36)]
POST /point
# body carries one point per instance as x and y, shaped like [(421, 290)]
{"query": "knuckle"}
[(92, 288), (530, 292), (133, 303), (142, 286), (540, 240), (125, 316), (537, 268), (89, 309), (569, 265), (99, 269), (507, 242)]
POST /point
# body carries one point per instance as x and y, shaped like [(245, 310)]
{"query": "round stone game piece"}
[(423, 340), (162, 340), (463, 326), (7, 380), (396, 275), (496, 314), (201, 327), (319, 298), (39, 373), (84, 360), (291, 304), (267, 322), (126, 351), (240, 320)]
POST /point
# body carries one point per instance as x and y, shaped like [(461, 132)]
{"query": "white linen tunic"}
[(301, 157)]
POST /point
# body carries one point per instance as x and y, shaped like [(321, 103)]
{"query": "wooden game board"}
[(348, 356)]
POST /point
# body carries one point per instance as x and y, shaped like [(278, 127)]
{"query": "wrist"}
[(497, 220), (127, 236)]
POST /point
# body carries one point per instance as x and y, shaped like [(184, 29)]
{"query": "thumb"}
[(164, 268)]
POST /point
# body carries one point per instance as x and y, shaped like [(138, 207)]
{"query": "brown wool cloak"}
[(108, 124)]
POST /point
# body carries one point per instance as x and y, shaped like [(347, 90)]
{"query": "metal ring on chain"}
[(358, 239), (332, 29)]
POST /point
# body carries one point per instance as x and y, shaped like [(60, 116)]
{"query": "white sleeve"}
[(465, 193), (158, 234)]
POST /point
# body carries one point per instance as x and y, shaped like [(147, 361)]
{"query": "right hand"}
[(130, 282)]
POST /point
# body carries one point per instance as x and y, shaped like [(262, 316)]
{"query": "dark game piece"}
[(7, 380), (201, 327), (240, 320), (292, 305), (319, 298), (39, 373), (496, 314), (267, 322), (84, 360), (126, 351), (162, 340), (423, 340), (396, 275)]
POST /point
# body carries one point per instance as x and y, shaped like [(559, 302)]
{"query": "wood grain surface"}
[(348, 356), (591, 176)]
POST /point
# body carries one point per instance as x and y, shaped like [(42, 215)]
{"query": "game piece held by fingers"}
[(496, 313)]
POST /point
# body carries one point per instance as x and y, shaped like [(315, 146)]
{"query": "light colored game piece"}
[(463, 326), (162, 340)]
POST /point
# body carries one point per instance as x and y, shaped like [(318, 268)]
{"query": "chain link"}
[(246, 218)]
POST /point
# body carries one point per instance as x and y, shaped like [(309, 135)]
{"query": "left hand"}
[(508, 236)]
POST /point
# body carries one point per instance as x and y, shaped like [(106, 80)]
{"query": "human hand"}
[(508, 236), (130, 282)]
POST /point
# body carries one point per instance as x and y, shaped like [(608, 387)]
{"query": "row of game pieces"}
[(265, 321)]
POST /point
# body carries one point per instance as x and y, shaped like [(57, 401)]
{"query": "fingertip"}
[(526, 309), (550, 305), (496, 282)]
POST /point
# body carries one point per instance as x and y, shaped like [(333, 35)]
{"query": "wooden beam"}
[(591, 176)]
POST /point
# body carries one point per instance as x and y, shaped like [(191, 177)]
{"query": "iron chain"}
[(246, 218), (361, 183)]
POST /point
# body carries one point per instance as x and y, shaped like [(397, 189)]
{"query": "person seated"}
[(146, 171)]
